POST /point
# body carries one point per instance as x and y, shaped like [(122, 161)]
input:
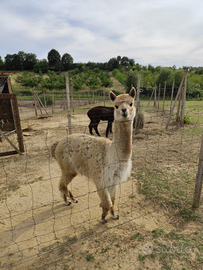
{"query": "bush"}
[(119, 76), (48, 99)]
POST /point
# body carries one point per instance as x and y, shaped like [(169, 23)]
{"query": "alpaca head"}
[(124, 105)]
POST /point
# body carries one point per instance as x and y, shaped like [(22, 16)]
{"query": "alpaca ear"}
[(132, 92), (112, 96)]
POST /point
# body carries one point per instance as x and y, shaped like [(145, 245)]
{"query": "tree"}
[(163, 76), (1, 63), (125, 62), (20, 61), (41, 66), (30, 60), (66, 61), (132, 62), (54, 60), (151, 68), (131, 80), (20, 57), (113, 63), (13, 62), (138, 67)]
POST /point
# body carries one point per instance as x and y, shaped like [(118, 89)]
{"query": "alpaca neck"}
[(122, 140)]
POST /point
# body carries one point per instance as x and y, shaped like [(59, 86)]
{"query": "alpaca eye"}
[(131, 104), (116, 106)]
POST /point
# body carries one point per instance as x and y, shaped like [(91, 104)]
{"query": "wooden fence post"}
[(137, 101), (199, 179), (174, 104), (39, 102), (88, 97), (159, 94), (35, 102), (79, 99), (155, 95), (182, 113), (104, 96), (72, 98), (64, 102), (52, 100), (172, 93), (164, 96), (151, 97), (45, 102), (68, 103)]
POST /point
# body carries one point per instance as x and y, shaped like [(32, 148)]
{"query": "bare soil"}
[(37, 231)]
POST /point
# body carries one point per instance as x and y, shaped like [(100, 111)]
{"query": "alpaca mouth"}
[(124, 114)]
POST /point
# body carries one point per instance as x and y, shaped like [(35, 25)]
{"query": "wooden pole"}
[(39, 102), (159, 94), (17, 123), (172, 93), (155, 96), (72, 99), (174, 104), (64, 103), (182, 113), (68, 103), (4, 136), (164, 96), (150, 97), (137, 102), (45, 102), (35, 103), (79, 99), (104, 96), (52, 100), (199, 179)]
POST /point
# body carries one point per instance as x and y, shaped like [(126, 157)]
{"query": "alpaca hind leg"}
[(63, 187), (96, 129), (91, 125), (108, 129), (112, 191), (106, 204)]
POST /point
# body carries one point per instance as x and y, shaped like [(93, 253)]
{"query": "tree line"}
[(55, 62), (95, 75)]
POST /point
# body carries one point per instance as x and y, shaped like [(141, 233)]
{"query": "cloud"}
[(157, 32)]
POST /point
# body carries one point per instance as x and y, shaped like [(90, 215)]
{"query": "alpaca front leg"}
[(112, 191), (112, 211), (106, 204), (104, 214)]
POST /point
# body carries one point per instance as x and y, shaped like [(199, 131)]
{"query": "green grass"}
[(167, 174), (89, 257)]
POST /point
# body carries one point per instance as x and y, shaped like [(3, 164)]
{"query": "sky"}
[(157, 32)]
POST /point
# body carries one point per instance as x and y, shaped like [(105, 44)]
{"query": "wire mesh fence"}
[(34, 220)]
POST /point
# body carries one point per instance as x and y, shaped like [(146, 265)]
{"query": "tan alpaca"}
[(107, 163)]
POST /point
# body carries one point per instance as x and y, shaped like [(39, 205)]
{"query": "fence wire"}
[(34, 219)]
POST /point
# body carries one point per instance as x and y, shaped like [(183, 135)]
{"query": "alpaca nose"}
[(124, 112)]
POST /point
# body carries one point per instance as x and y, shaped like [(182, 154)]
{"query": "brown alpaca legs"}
[(94, 124), (63, 187)]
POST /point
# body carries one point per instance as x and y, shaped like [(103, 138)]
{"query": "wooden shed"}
[(9, 114)]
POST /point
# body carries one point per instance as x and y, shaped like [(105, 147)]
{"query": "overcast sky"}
[(156, 32)]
